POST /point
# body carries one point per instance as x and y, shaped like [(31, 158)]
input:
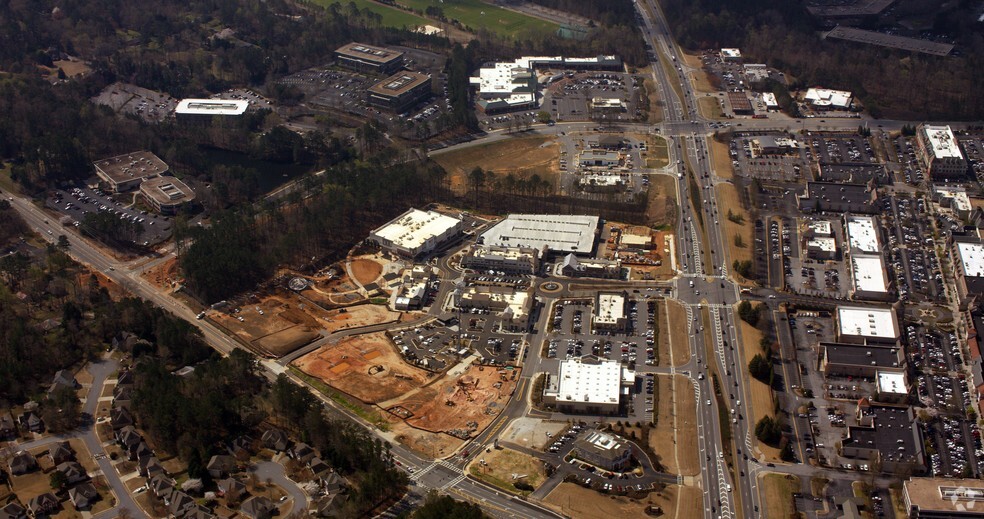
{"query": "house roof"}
[(222, 462), (13, 511), (256, 506), (46, 501)]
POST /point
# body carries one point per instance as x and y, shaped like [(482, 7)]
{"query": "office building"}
[(859, 360), (511, 260), (513, 306), (968, 256), (512, 85), (368, 58), (209, 107), (400, 91), (416, 232), (125, 172), (166, 194), (773, 145), (887, 435), (574, 267), (603, 450), (943, 498), (731, 55), (588, 385), (939, 152)]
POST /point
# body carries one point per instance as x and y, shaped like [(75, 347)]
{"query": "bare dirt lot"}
[(503, 467), (352, 366), (676, 409), (164, 275), (469, 402), (426, 443), (521, 156), (366, 270), (663, 206), (278, 330), (532, 432)]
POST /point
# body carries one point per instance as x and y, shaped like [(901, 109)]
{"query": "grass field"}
[(721, 160), (658, 155), (779, 495), (391, 17), (521, 156), (761, 393), (477, 14), (710, 107), (674, 312), (728, 200), (676, 410)]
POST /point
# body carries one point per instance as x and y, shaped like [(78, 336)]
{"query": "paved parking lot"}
[(912, 256), (569, 98), (782, 168), (835, 149), (78, 202)]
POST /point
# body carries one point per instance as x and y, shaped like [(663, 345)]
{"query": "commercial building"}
[(553, 233), (740, 104), (411, 296), (968, 255), (416, 232), (512, 260), (603, 450), (126, 172), (854, 173), (732, 55), (166, 194), (400, 91), (954, 198), (191, 107), (607, 104), (773, 145), (575, 267), (862, 234), (887, 435), (610, 312), (512, 85), (943, 498), (891, 383), (588, 385), (368, 58), (769, 100), (821, 248), (836, 197), (939, 152), (859, 360), (598, 158), (603, 182), (868, 277), (867, 325), (513, 306), (826, 99)]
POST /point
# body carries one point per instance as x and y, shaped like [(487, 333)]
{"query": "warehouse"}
[(166, 194), (416, 232), (400, 91), (126, 172), (867, 325), (939, 152), (512, 260), (556, 233), (367, 58), (588, 385)]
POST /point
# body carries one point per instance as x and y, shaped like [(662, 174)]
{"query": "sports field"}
[(477, 14), (391, 17)]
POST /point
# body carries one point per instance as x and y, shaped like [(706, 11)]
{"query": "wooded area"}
[(890, 83)]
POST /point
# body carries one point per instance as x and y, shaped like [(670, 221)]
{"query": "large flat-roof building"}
[(512, 85), (943, 498), (889, 435), (860, 360), (513, 306), (166, 194), (953, 197), (598, 158), (867, 325), (125, 172), (554, 233), (588, 385), (369, 58), (740, 103), (773, 145), (512, 260), (868, 277), (416, 232), (939, 152), (400, 91), (603, 450), (610, 312), (190, 107), (862, 234), (574, 267), (968, 256), (835, 197), (827, 99)]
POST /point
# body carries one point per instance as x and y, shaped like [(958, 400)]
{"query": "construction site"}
[(646, 252), (366, 367)]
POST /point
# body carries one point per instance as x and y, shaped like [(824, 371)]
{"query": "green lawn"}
[(391, 17), (495, 19)]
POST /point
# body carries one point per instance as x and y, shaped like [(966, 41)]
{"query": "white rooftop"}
[(415, 227), (827, 97), (892, 383), (731, 53), (869, 273), (212, 106), (878, 323), (557, 232), (957, 195), (820, 227), (824, 243), (942, 142), (611, 308), (861, 234), (972, 258), (770, 100), (592, 381)]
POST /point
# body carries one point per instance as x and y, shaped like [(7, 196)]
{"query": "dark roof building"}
[(854, 172), (82, 496), (13, 511), (889, 435), (275, 439), (835, 197), (400, 91), (257, 507), (22, 463), (603, 450), (860, 360), (221, 465), (740, 103), (61, 452), (369, 58), (43, 505)]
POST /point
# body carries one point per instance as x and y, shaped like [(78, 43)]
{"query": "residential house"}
[(257, 507), (161, 485), (319, 467), (178, 503), (221, 465), (332, 482), (44, 505), (197, 512), (303, 452), (33, 422), (125, 378), (122, 395), (13, 511), (60, 453), (331, 505), (150, 466), (128, 436), (73, 472), (22, 463), (64, 378), (8, 429), (82, 496), (275, 439), (120, 417), (233, 485), (138, 451)]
